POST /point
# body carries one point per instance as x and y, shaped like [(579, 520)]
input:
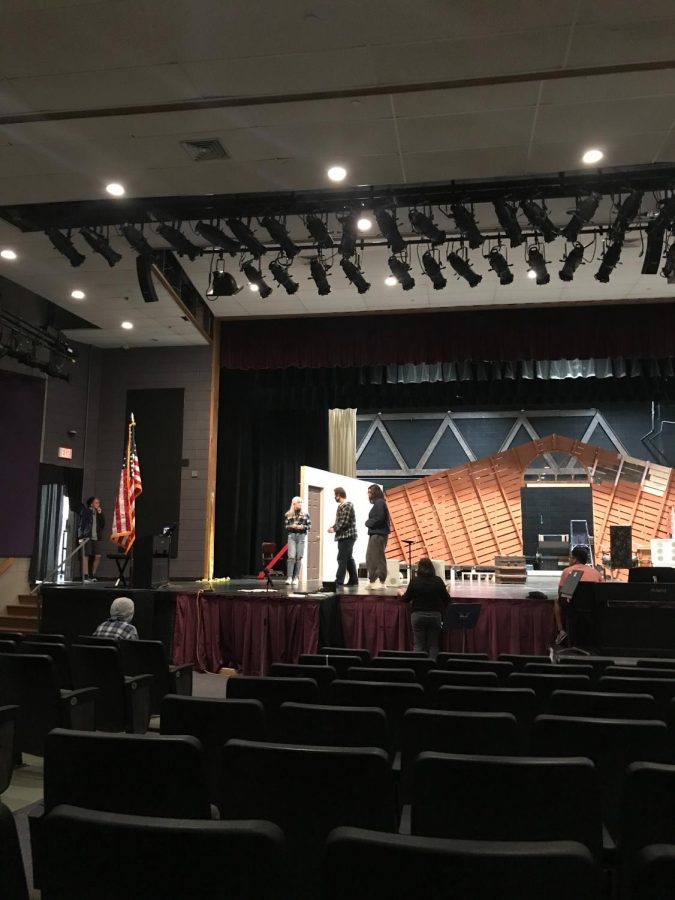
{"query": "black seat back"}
[(47, 638), (652, 873), (548, 669), (323, 675), (647, 807), (58, 652), (334, 726), (31, 683), (11, 863), (361, 652), (661, 689), (444, 656), (15, 636), (420, 665), (394, 699), (402, 654), (213, 722), (147, 658), (139, 774), (8, 646), (520, 660), (527, 799), (162, 859), (7, 744), (272, 692), (365, 865), (338, 661), (544, 685), (101, 667), (361, 673), (502, 669), (604, 705), (436, 678), (97, 641)]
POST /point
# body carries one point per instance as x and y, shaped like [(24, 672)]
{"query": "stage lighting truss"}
[(221, 283), (586, 209), (433, 269), (389, 229), (255, 278), (246, 237), (538, 218), (466, 223), (610, 259), (318, 231), (354, 274), (278, 232), (217, 238), (65, 246), (424, 225), (318, 270), (280, 273), (537, 263), (181, 244), (460, 263), (499, 264), (39, 348), (571, 262), (400, 269)]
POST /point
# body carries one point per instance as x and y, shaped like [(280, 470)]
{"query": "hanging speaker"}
[(144, 274), (621, 546)]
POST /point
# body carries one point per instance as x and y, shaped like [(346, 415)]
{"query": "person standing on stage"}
[(345, 533), (91, 525), (378, 527), (428, 595), (579, 557), (297, 525)]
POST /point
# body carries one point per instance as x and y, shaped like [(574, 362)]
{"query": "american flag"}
[(130, 486)]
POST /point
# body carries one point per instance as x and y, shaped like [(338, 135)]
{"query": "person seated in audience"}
[(119, 625), (428, 595), (579, 558)]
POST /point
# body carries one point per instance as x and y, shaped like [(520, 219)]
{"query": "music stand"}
[(410, 546), (463, 616)]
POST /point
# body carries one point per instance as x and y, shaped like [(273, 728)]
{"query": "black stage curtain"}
[(570, 332), (260, 451)]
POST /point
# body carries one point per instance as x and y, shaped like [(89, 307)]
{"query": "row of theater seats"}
[(93, 683), (309, 790)]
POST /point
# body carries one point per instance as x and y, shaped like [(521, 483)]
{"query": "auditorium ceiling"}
[(397, 92)]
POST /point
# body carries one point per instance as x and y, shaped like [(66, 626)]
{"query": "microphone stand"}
[(410, 546)]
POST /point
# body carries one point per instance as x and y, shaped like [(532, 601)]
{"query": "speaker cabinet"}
[(621, 546)]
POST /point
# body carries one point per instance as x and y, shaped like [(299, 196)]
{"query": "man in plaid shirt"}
[(119, 625), (344, 530)]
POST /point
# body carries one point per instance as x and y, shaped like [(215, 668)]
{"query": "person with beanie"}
[(119, 625)]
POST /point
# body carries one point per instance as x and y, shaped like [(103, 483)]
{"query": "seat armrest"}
[(35, 817), (78, 708), (137, 702), (180, 679)]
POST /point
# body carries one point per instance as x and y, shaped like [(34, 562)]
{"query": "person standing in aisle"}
[(297, 525), (429, 596), (345, 533), (378, 527)]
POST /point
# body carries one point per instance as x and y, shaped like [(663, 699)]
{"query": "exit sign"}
[(65, 452)]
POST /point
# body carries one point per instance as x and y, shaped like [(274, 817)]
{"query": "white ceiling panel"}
[(605, 43), (472, 163), (499, 128), (612, 88), (623, 151), (471, 100), (605, 120)]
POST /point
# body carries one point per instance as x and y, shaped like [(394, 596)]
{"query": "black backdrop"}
[(549, 510)]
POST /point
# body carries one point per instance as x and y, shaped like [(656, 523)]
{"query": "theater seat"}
[(12, 876)]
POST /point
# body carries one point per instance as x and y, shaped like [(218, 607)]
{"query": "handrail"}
[(80, 547)]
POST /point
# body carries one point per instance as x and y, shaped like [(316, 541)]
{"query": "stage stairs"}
[(21, 616)]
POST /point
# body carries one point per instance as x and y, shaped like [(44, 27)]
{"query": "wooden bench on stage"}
[(510, 570)]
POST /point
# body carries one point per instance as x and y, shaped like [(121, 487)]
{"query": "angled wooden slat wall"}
[(471, 513)]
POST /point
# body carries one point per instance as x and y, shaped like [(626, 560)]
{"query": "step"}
[(28, 599), (19, 623), (15, 609)]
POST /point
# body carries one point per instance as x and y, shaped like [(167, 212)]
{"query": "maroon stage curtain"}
[(247, 633), (504, 626), (623, 331)]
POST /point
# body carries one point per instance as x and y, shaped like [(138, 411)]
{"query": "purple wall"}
[(21, 407)]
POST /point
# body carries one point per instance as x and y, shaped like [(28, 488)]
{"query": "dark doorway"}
[(548, 510)]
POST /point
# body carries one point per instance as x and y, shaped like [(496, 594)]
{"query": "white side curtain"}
[(342, 442)]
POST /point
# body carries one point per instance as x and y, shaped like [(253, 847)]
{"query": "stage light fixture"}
[(355, 275), (65, 246), (278, 232), (282, 277), (246, 237), (432, 267), (625, 215), (610, 258), (136, 239), (349, 234), (538, 218), (318, 272), (389, 230), (23, 349), (319, 232), (255, 278), (426, 226), (665, 215), (668, 270), (463, 268), (400, 270), (571, 263), (178, 241), (653, 250), (586, 209), (500, 266), (537, 264), (217, 238), (101, 246), (466, 222), (507, 216), (222, 284)]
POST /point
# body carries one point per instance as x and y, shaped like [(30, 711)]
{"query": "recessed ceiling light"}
[(253, 287), (390, 281), (8, 254), (77, 295), (337, 173), (127, 326), (115, 189), (364, 224), (531, 273), (592, 156)]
